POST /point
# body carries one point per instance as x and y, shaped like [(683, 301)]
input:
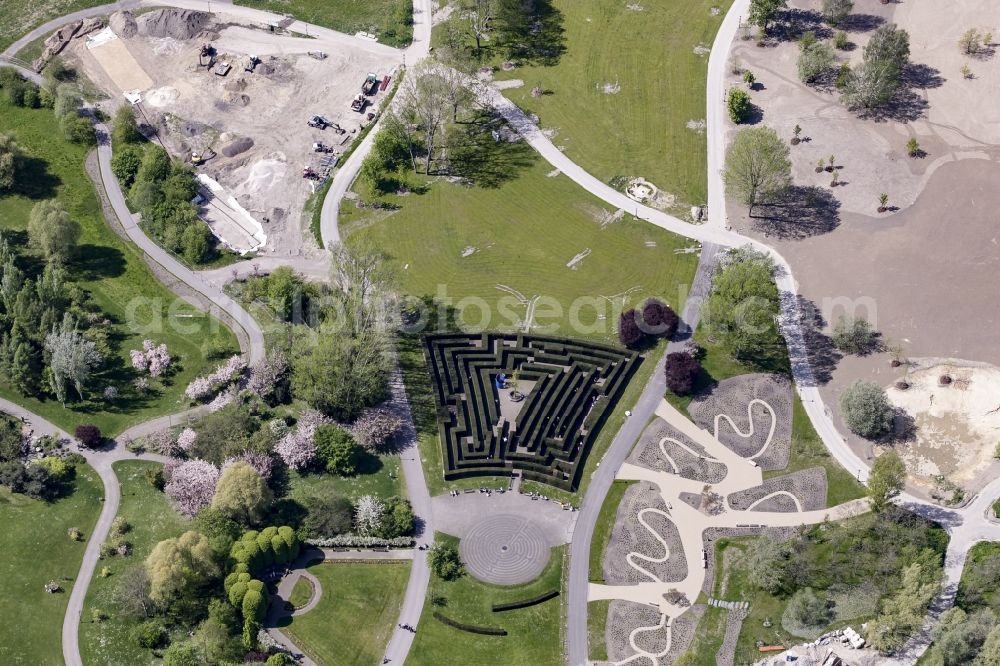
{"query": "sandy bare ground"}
[(923, 272), (255, 122)]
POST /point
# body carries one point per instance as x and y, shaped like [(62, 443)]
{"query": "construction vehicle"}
[(222, 68), (307, 172), (319, 122), (319, 55), (202, 157), (206, 56), (322, 148), (252, 63), (358, 103), (370, 86)]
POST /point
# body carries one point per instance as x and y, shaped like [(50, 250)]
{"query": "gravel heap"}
[(123, 24), (808, 485), (731, 397), (176, 23), (648, 454), (630, 535)]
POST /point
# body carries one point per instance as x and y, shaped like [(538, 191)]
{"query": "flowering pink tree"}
[(295, 450), (223, 399), (152, 358), (192, 485), (161, 442), (376, 427), (263, 463), (225, 374), (267, 373), (186, 439)]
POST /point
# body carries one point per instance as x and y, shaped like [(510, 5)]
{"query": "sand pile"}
[(123, 24), (176, 23)]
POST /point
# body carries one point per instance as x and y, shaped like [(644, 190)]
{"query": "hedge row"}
[(471, 628), (357, 541), (257, 550), (524, 603)]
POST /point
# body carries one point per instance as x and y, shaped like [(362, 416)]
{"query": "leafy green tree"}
[(741, 311), (10, 155), (242, 494), (835, 11), (182, 654), (764, 12), (758, 167), (738, 105), (870, 85), (78, 129), (814, 61), (854, 335), (889, 44), (765, 565), (337, 448), (196, 243), (53, 231), (125, 164), (989, 655), (398, 519), (327, 513), (178, 566), (67, 100), (959, 636), (341, 374), (903, 612), (866, 409), (125, 129), (810, 608), (886, 480), (445, 561), (153, 170)]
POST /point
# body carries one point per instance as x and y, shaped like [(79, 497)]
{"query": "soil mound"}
[(176, 23), (234, 148), (123, 24)]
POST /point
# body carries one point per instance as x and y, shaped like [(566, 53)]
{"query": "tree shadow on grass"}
[(801, 212), (34, 180), (368, 463), (542, 41), (795, 22), (95, 262), (486, 158)]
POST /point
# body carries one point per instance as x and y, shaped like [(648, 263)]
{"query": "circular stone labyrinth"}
[(505, 550)]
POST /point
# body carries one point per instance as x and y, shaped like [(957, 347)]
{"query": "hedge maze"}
[(569, 388)]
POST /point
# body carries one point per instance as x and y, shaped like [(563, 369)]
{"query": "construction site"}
[(263, 115)]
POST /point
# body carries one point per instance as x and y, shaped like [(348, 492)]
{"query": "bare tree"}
[(364, 282), (426, 100), (480, 14), (72, 357)]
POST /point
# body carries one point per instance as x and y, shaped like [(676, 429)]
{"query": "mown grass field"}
[(152, 519), (21, 16), (115, 275), (597, 620), (355, 617), (391, 20), (603, 528), (649, 57), (381, 476), (533, 633), (37, 550)]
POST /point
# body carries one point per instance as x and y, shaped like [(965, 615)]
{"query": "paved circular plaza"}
[(505, 549)]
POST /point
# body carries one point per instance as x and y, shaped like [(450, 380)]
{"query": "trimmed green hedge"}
[(471, 628), (524, 603)]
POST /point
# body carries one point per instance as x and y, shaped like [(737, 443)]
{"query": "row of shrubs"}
[(358, 541), (525, 603), (471, 628)]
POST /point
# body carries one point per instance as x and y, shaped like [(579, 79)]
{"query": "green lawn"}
[(117, 279), (524, 232), (642, 129), (382, 479), (597, 619), (356, 615), (605, 525), (152, 520), (391, 20), (21, 16), (302, 592), (534, 634), (37, 550)]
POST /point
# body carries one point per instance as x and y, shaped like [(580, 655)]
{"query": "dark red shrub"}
[(682, 370), (629, 331), (89, 435), (659, 319)]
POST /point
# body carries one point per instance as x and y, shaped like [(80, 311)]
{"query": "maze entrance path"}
[(505, 549)]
